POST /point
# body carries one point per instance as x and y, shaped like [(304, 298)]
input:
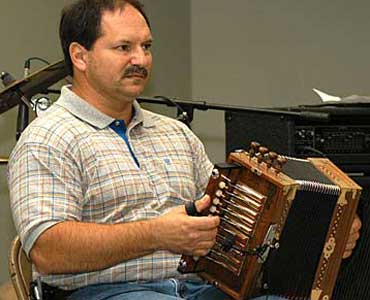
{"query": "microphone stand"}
[(23, 113), (23, 106), (22, 119), (185, 109)]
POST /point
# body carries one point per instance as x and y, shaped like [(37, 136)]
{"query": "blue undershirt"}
[(120, 128)]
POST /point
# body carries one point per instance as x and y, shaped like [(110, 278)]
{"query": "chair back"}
[(20, 269)]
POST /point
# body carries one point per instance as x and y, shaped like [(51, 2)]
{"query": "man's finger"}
[(356, 224), (206, 222), (347, 254)]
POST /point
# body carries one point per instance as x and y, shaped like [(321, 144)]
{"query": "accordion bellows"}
[(281, 233)]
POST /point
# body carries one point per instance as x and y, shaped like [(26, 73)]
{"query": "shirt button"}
[(116, 123)]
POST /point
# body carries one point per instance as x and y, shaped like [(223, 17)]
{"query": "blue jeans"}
[(169, 289)]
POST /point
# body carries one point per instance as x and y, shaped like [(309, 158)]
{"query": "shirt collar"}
[(141, 116), (85, 111)]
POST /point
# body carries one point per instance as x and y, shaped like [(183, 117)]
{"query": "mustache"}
[(135, 69)]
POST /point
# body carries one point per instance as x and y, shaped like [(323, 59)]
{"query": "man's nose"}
[(138, 56)]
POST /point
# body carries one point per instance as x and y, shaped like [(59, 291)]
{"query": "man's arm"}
[(74, 247)]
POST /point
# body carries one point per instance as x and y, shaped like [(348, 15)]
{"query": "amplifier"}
[(336, 140), (343, 138), (348, 146)]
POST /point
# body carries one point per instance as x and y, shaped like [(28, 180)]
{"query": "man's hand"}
[(353, 237), (180, 233)]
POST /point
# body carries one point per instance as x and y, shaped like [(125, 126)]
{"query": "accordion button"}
[(222, 185), (213, 209), (215, 173), (216, 201), (218, 193)]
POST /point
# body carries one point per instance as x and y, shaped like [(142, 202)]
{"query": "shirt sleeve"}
[(202, 165), (45, 189)]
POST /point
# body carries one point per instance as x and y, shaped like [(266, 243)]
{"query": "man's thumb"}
[(203, 203)]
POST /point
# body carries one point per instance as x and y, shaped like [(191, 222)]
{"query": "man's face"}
[(120, 61)]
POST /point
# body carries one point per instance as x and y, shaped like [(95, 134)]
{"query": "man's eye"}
[(147, 46), (125, 48)]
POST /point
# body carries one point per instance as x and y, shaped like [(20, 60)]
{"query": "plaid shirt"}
[(71, 165)]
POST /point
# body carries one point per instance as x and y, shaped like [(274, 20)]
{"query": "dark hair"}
[(81, 22)]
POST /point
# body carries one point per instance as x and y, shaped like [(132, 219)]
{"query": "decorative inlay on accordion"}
[(279, 234)]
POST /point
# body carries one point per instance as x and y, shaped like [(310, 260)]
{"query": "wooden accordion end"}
[(284, 226)]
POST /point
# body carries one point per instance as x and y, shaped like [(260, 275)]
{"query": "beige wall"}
[(27, 28), (30, 28), (252, 53), (272, 53)]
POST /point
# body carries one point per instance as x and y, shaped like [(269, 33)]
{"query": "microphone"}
[(23, 116), (9, 79)]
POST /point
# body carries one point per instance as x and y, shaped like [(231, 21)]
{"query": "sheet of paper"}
[(326, 97)]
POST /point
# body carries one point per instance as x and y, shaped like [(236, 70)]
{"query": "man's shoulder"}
[(57, 126), (172, 130), (164, 123)]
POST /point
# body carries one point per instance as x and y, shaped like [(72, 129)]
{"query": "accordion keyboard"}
[(239, 207)]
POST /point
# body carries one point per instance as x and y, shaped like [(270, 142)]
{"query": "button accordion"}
[(284, 226)]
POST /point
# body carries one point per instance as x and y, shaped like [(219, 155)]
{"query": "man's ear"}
[(78, 54)]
